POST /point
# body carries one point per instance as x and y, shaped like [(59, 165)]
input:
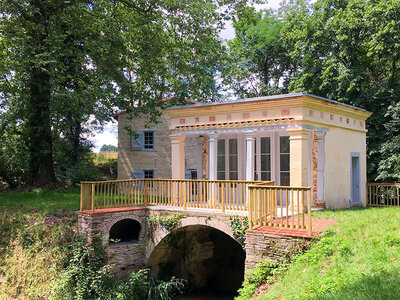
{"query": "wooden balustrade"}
[(383, 194), (214, 194), (280, 206)]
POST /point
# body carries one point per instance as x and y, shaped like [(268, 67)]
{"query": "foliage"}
[(108, 148), (168, 222), (107, 164), (31, 245), (343, 50), (265, 271), (87, 276), (66, 65), (42, 257), (357, 259), (239, 227)]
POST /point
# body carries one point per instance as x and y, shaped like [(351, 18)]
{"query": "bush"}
[(264, 272), (86, 276)]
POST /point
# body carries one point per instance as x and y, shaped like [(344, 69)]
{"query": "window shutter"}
[(137, 174), (188, 175), (138, 142)]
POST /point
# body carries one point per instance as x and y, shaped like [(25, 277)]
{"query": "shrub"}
[(264, 272), (86, 276)]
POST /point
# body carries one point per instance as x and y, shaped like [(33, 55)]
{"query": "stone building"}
[(298, 140), (148, 155)]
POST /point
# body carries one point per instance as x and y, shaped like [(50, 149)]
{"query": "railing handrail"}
[(206, 193), (279, 187), (382, 184), (383, 194), (255, 182)]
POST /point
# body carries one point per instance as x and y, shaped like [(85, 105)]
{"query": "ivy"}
[(239, 227), (168, 222)]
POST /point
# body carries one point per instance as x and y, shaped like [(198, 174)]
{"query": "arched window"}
[(126, 230)]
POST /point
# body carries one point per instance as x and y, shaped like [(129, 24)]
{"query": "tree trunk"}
[(39, 130)]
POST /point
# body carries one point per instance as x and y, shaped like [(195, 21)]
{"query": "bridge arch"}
[(221, 224), (133, 219), (208, 257)]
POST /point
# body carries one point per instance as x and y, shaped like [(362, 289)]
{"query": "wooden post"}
[(223, 197), (184, 195), (309, 212), (92, 196), (145, 193), (81, 203), (250, 206)]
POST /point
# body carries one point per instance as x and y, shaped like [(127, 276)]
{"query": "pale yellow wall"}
[(160, 159), (338, 146)]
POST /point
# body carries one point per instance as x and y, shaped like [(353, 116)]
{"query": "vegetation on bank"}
[(358, 258), (42, 256)]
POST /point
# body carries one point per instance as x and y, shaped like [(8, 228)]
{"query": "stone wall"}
[(128, 256), (125, 257), (160, 159), (274, 247)]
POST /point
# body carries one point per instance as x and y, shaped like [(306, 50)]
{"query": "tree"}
[(67, 63), (347, 50), (108, 148)]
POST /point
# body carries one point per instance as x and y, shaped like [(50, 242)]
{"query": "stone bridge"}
[(197, 245)]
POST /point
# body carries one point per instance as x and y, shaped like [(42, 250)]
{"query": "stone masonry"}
[(275, 247), (160, 158), (132, 256)]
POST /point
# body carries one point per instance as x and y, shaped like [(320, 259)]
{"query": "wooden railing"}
[(214, 194), (383, 194), (280, 206)]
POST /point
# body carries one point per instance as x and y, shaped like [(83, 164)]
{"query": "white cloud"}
[(109, 136)]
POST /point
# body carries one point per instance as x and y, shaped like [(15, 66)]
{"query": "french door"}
[(272, 159), (227, 159)]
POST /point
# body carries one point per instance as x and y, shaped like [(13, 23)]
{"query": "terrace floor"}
[(318, 225)]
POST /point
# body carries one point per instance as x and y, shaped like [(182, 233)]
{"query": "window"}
[(262, 159), (144, 140), (227, 159), (149, 140), (221, 160), (143, 173), (148, 174), (284, 150)]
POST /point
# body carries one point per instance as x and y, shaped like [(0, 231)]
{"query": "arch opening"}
[(124, 231), (210, 260)]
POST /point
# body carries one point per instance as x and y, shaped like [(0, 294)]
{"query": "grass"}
[(358, 258), (46, 201), (34, 227)]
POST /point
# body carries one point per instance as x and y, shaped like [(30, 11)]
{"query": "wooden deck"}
[(264, 203), (318, 225)]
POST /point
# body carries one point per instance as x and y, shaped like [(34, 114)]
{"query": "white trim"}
[(247, 129)]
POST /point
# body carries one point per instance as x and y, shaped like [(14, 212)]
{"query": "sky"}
[(109, 136)]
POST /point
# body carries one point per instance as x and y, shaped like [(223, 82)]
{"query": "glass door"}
[(262, 159), (284, 161), (227, 159)]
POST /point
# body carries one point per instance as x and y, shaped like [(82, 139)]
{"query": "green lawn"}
[(359, 258), (45, 201)]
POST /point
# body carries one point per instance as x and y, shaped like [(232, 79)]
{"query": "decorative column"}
[(212, 156), (177, 156), (250, 156), (212, 169), (320, 140), (299, 156), (299, 164)]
